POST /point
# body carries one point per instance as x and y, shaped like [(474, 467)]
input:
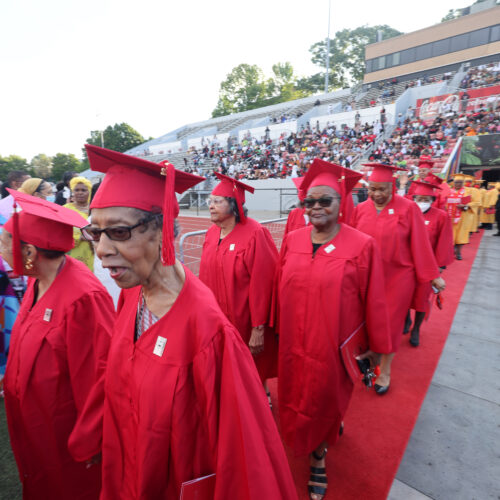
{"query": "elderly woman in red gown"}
[(183, 399), (440, 232), (398, 227), (329, 285), (58, 353), (237, 264)]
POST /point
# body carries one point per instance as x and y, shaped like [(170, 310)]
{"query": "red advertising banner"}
[(468, 100)]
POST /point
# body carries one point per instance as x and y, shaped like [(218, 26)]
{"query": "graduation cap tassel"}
[(17, 256), (343, 202), (239, 204), (167, 248)]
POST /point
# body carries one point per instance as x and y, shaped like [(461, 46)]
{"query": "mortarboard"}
[(382, 172), (459, 177), (424, 189), (231, 188), (342, 180), (298, 182), (41, 223), (433, 179), (138, 183), (425, 161)]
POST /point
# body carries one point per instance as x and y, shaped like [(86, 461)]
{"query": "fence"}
[(191, 244)]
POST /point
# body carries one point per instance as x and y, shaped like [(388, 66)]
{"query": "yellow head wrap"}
[(29, 186), (81, 180)]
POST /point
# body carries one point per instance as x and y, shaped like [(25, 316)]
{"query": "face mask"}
[(50, 198), (424, 205)]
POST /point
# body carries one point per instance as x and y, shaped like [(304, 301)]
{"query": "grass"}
[(10, 487)]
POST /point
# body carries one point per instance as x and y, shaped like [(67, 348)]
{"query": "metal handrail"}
[(197, 233)]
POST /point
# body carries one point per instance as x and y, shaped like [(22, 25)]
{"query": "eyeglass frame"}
[(141, 222), (312, 201)]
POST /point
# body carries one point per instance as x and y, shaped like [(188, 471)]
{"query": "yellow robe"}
[(83, 250), (462, 229), (490, 200), (475, 206)]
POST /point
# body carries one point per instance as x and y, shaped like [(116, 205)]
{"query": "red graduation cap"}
[(342, 180), (298, 182), (433, 179), (424, 189), (137, 183), (40, 223), (382, 172), (425, 161), (231, 188)]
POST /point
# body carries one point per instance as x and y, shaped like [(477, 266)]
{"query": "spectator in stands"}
[(315, 314), (14, 180)]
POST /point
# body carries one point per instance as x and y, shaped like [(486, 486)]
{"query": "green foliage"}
[(41, 165), (347, 53), (65, 163), (13, 162), (119, 137)]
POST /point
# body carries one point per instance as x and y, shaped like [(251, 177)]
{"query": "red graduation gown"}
[(440, 198), (296, 220), (407, 256), (198, 408), (239, 270), (320, 301), (440, 233), (58, 351)]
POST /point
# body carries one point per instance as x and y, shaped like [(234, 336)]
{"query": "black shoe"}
[(414, 338), (380, 389), (498, 234), (459, 257), (318, 475)]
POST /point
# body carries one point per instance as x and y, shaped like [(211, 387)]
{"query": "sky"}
[(72, 66)]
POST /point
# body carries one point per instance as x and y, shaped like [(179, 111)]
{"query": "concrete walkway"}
[(454, 451)]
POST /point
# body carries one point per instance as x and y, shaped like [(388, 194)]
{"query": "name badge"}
[(231, 247), (329, 248), (427, 222), (47, 315), (391, 211), (161, 342)]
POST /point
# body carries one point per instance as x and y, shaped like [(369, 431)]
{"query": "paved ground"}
[(454, 451)]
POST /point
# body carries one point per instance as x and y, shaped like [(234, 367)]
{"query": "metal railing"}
[(191, 244)]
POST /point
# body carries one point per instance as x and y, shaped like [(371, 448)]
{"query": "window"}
[(407, 56), (388, 61), (369, 64), (459, 42), (424, 51), (381, 62), (495, 33), (395, 58), (440, 47), (479, 37)]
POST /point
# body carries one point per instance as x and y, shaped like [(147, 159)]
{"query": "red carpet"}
[(364, 462)]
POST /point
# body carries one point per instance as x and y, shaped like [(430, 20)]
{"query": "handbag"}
[(355, 344)]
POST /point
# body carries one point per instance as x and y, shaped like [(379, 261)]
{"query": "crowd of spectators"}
[(484, 75), (289, 156)]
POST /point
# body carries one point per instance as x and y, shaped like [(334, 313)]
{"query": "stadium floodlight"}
[(327, 62)]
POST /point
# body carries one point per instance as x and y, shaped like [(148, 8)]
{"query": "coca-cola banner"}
[(468, 100)]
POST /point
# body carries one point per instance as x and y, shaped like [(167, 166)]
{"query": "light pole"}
[(328, 49)]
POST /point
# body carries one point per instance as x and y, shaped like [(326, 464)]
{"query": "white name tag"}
[(231, 247), (329, 248), (47, 315), (161, 342), (391, 211), (427, 222)]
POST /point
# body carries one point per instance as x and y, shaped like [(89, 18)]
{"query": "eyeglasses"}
[(117, 233), (324, 201), (215, 201)]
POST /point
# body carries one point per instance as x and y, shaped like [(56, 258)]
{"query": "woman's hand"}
[(439, 283), (373, 357), (256, 342)]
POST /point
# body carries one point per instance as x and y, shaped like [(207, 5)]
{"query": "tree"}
[(64, 163), (244, 88), (13, 162), (41, 165), (347, 53), (119, 137)]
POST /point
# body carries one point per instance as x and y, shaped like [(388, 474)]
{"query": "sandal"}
[(318, 475)]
